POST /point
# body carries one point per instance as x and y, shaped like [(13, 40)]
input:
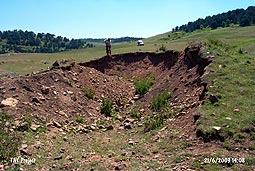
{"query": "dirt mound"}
[(58, 93), (176, 72)]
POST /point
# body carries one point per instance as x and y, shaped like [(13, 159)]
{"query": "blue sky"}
[(108, 18)]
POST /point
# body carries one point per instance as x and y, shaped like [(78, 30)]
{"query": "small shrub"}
[(143, 86), (79, 119), (106, 107), (153, 122), (162, 48), (160, 101), (240, 50), (135, 114), (89, 93)]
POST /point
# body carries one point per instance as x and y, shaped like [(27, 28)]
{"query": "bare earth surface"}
[(56, 97)]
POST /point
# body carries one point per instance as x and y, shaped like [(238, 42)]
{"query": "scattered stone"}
[(45, 90), (65, 138), (11, 102), (34, 127), (69, 158), (120, 166), (213, 99), (92, 127), (236, 110), (62, 150), (55, 64), (27, 88), (217, 128), (37, 145), (25, 152), (196, 117), (12, 88), (142, 110), (127, 125), (129, 120), (56, 124), (110, 127), (24, 146), (136, 97), (131, 142), (35, 100), (58, 157)]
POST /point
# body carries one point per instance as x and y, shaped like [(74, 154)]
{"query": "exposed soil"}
[(57, 94)]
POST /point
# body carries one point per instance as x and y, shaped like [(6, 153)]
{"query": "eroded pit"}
[(111, 78)]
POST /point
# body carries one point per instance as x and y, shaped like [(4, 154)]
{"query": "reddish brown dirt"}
[(178, 73)]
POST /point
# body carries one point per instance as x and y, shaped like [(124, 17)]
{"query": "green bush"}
[(153, 122), (106, 107), (9, 140), (143, 86), (79, 119), (160, 101), (162, 48), (89, 93)]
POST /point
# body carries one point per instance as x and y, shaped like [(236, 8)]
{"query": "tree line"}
[(238, 16), (29, 42)]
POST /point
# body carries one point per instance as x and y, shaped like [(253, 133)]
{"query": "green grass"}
[(89, 93), (143, 85), (160, 101), (9, 139), (232, 80), (106, 107)]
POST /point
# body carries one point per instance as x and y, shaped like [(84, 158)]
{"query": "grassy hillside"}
[(238, 37)]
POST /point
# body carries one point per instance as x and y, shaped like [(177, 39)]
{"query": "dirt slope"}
[(58, 93), (176, 72)]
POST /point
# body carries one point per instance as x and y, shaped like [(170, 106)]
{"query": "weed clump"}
[(143, 86), (89, 93), (106, 107), (160, 101), (79, 119), (162, 48)]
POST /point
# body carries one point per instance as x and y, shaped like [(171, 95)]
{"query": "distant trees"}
[(238, 16), (28, 41)]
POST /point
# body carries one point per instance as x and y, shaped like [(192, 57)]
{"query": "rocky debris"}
[(45, 89), (35, 100), (11, 102), (131, 142), (55, 65), (34, 127), (236, 110), (120, 166), (213, 99), (24, 151), (57, 124), (128, 123), (58, 157), (217, 128)]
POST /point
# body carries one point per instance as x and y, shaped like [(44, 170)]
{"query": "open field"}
[(239, 37)]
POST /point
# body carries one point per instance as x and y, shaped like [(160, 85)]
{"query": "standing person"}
[(108, 46)]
